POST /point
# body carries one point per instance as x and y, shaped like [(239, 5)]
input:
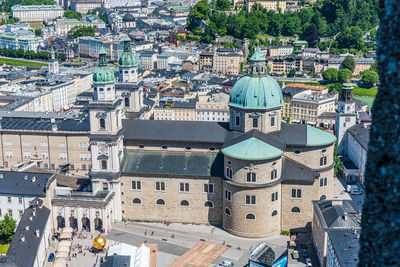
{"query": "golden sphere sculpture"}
[(99, 242)]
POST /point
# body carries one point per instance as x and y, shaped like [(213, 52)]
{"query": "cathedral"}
[(254, 175)]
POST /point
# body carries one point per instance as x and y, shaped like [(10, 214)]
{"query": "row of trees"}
[(369, 77), (326, 18), (20, 53)]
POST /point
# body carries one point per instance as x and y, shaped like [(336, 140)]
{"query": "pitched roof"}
[(294, 172), (172, 163), (24, 183), (317, 137), (360, 134), (25, 244), (257, 56), (175, 131)]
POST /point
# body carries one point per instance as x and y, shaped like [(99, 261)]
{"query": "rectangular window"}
[(251, 177), (228, 195), (26, 143), (9, 200), (323, 161), (63, 156), (8, 143), (321, 182), (274, 197), (136, 185), (27, 155), (20, 213), (229, 173), (20, 200), (105, 186), (296, 193), (272, 121), (10, 213), (183, 187), (83, 167), (83, 156), (44, 144), (82, 145), (61, 145), (45, 155), (104, 164), (209, 188), (255, 123), (274, 174), (160, 186), (9, 154), (325, 181), (250, 200), (237, 120)]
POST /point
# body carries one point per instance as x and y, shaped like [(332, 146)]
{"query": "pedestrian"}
[(145, 232), (152, 233)]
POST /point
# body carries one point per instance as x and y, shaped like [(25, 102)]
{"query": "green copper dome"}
[(257, 56), (128, 58), (252, 149), (256, 92), (103, 73)]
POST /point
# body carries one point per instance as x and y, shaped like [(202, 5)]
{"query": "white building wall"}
[(15, 205), (357, 154)]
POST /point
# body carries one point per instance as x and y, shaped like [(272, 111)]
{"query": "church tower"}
[(256, 99), (53, 63), (346, 115), (106, 140)]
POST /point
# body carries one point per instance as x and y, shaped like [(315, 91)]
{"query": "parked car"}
[(308, 262), (226, 263), (51, 257), (355, 190)]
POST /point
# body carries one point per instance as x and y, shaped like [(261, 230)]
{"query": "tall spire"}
[(257, 63), (127, 44)]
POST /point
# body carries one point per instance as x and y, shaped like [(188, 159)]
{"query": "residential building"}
[(343, 247), (206, 61), (36, 12), (32, 237), (227, 62), (274, 5), (309, 52), (330, 216), (25, 40), (362, 64), (148, 60), (83, 6), (280, 50), (18, 189), (179, 110)]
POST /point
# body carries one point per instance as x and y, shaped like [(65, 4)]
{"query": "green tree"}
[(72, 15), (349, 63), (38, 32), (79, 31), (351, 37), (370, 77), (344, 75), (311, 35), (330, 75), (291, 73), (223, 5), (7, 228)]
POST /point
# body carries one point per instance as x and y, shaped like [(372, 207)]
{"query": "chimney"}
[(22, 238), (27, 228), (37, 232)]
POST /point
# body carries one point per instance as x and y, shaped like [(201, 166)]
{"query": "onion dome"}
[(128, 58), (103, 74)]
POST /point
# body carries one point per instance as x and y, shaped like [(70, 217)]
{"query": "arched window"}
[(274, 213), (209, 204), (323, 197), (250, 216), (228, 212), (184, 203), (160, 202), (295, 209), (126, 100), (136, 201), (102, 123)]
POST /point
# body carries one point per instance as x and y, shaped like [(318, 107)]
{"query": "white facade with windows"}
[(36, 12)]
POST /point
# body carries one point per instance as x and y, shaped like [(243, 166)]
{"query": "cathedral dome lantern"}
[(253, 96), (103, 74)]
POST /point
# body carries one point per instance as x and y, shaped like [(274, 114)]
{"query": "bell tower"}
[(346, 115), (106, 140)]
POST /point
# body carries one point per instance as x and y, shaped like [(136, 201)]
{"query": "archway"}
[(73, 222), (60, 222), (86, 224), (98, 224)]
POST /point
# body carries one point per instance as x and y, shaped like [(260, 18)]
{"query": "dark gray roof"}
[(349, 165), (345, 244), (24, 246), (364, 116), (296, 173), (116, 261), (290, 91), (173, 163), (327, 115), (360, 134), (337, 214), (128, 17), (44, 124), (24, 183), (175, 131)]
